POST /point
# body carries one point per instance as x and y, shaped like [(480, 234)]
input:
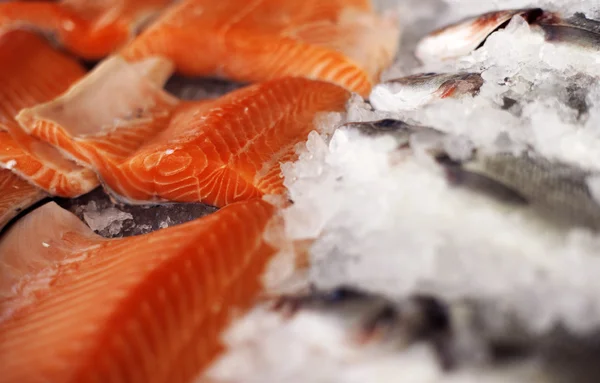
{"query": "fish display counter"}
[(270, 191)]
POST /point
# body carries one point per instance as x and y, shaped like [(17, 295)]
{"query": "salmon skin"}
[(89, 29), (16, 195), (341, 41), (215, 152), (31, 71), (151, 308)]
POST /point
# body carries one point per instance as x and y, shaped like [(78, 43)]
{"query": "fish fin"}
[(446, 90)]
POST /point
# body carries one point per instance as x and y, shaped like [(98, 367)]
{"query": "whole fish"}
[(558, 190), (412, 92), (400, 130), (463, 37), (466, 334), (419, 318)]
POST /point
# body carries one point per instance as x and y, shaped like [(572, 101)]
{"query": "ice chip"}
[(110, 219)]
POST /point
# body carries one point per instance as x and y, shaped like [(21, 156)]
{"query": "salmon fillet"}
[(31, 71), (16, 195), (89, 29), (80, 308), (216, 152), (340, 41), (113, 110)]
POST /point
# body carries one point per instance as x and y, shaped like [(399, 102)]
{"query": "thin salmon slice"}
[(80, 308), (89, 29), (216, 152), (112, 111), (31, 71), (340, 41), (16, 195)]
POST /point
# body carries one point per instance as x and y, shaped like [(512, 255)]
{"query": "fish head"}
[(577, 30), (461, 38), (412, 92), (460, 85)]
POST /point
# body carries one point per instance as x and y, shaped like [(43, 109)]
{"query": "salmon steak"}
[(340, 41), (216, 152), (31, 72), (77, 307), (16, 195), (88, 29)]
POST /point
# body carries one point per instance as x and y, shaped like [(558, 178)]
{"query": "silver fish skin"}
[(491, 339), (461, 38), (576, 30), (398, 129), (412, 92), (419, 318), (559, 192), (340, 299), (464, 334)]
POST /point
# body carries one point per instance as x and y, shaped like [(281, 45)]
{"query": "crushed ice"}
[(396, 226), (11, 164), (109, 220)]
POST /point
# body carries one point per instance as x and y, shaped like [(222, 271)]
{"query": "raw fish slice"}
[(24, 259), (109, 113), (16, 195), (31, 71), (146, 309), (340, 41), (219, 152), (89, 29), (47, 169)]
